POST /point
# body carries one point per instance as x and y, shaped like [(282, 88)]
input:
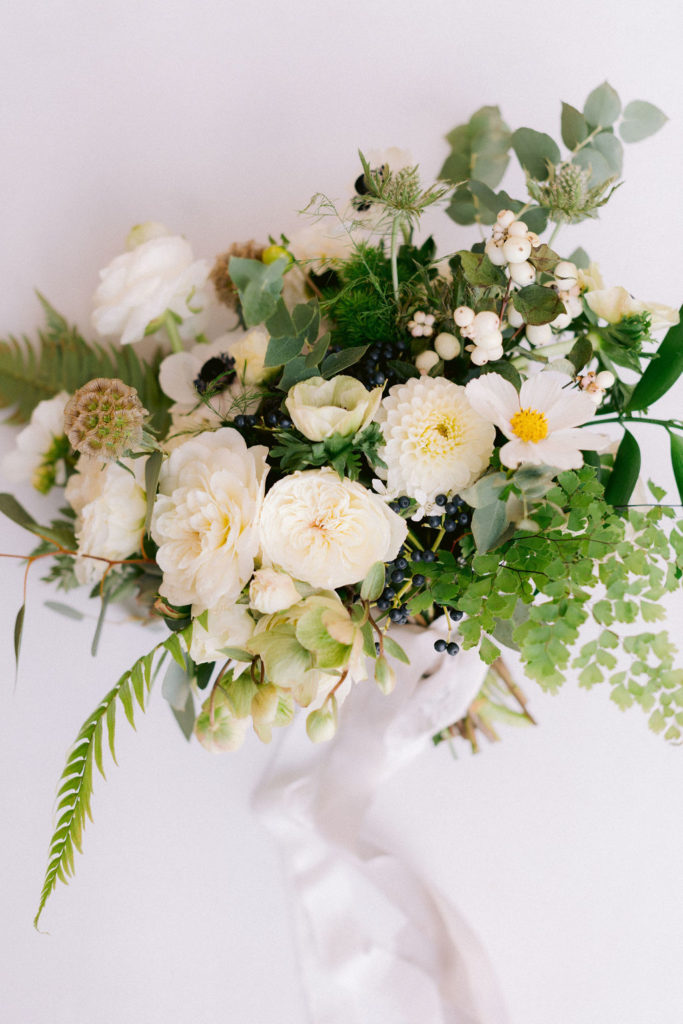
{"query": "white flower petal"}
[(494, 398)]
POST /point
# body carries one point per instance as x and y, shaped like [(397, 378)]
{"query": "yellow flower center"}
[(439, 437), (529, 425)]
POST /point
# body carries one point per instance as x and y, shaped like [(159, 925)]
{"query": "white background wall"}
[(561, 845)]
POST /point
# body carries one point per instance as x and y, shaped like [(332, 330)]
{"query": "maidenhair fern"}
[(74, 795), (64, 361)]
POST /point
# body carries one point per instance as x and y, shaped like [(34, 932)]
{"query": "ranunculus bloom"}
[(272, 591), (326, 531), (140, 285), (205, 518), (435, 441), (341, 405), (110, 506), (41, 447), (540, 421)]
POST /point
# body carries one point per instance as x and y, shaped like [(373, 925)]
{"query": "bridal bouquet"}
[(345, 430)]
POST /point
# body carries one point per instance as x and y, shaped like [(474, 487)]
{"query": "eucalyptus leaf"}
[(186, 716), (591, 159), (317, 353), (176, 686), (489, 523), (282, 350), (535, 152), (602, 107), (64, 609), (294, 371), (580, 259), (574, 127), (259, 286), (625, 471), (662, 371), (536, 219), (641, 119), (341, 360), (612, 150)]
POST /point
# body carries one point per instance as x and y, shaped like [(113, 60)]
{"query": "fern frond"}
[(76, 782), (64, 361)]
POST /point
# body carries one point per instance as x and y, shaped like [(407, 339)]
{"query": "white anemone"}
[(541, 421)]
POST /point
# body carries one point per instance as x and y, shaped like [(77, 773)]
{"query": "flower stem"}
[(394, 255), (555, 233), (635, 419), (172, 331)]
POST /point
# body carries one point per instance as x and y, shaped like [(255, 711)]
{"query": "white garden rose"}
[(272, 591), (227, 625), (327, 531), (110, 506), (342, 405), (205, 518), (140, 285), (41, 447)]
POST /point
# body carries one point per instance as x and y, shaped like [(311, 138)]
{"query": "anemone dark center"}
[(215, 374)]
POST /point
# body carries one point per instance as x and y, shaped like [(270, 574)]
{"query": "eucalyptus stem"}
[(555, 233), (394, 255), (172, 331)]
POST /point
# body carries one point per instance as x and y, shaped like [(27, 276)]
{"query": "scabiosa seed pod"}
[(104, 418)]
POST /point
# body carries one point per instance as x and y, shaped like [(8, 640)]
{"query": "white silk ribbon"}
[(377, 943)]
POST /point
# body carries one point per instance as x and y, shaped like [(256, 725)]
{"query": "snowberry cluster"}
[(422, 324), (510, 245), (596, 384), (484, 330), (566, 284)]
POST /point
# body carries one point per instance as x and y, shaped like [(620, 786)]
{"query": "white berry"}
[(447, 346), (490, 340), (517, 250), (605, 379), (480, 357), (505, 218), (426, 360), (561, 321), (463, 316), (566, 275), (495, 253), (539, 334), (485, 322), (515, 319), (518, 229), (522, 273)]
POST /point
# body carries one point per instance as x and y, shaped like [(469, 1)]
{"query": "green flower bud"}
[(321, 725)]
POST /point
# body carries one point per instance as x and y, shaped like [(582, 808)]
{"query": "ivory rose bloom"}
[(342, 405), (326, 531), (227, 625), (111, 507), (140, 285), (205, 518), (272, 591)]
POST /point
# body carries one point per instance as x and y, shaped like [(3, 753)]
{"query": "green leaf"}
[(488, 525), (488, 652), (581, 353), (538, 305), (580, 259), (677, 460), (259, 286), (315, 356), (334, 364), (152, 471), (535, 152), (662, 371), (479, 271), (395, 650), (602, 107), (608, 145), (574, 127), (18, 630), (237, 654), (591, 159), (641, 119), (543, 258), (295, 371), (625, 472), (104, 603), (281, 350), (479, 149), (373, 584), (64, 609)]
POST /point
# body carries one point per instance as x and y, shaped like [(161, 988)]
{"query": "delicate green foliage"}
[(536, 152), (580, 353), (677, 460), (63, 361), (340, 361), (663, 371), (399, 193), (259, 286), (568, 191), (75, 792), (479, 149), (289, 333), (603, 106), (573, 125), (538, 305), (342, 453), (641, 119)]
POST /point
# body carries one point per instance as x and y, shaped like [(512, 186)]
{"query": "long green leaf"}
[(152, 471), (18, 630), (625, 471), (677, 460), (662, 371), (76, 782)]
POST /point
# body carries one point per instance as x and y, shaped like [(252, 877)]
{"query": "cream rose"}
[(272, 591), (110, 506), (140, 285), (227, 625), (205, 518), (326, 531), (321, 407)]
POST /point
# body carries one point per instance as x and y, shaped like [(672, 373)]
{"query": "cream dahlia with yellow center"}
[(435, 441), (541, 422), (205, 518), (326, 531)]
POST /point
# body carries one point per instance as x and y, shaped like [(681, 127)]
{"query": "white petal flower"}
[(322, 244), (272, 591), (140, 285), (435, 441), (613, 304), (205, 518), (41, 447), (239, 358), (228, 625), (110, 506), (342, 405), (327, 531), (540, 421)]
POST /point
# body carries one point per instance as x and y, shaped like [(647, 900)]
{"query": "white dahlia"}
[(435, 443), (327, 531), (205, 518), (541, 421), (110, 505)]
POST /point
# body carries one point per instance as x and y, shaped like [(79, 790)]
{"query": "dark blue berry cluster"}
[(373, 369), (454, 516), (450, 648)]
